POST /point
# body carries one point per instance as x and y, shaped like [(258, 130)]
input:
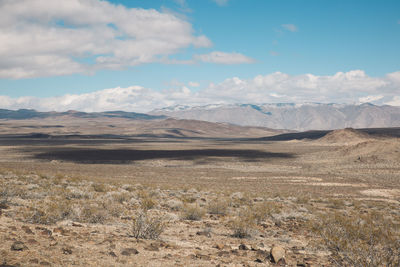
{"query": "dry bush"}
[(244, 223), (188, 199), (48, 212), (218, 206), (174, 204), (304, 199), (92, 213), (360, 239), (147, 201), (122, 197), (101, 188), (147, 227), (192, 212), (336, 203), (262, 211)]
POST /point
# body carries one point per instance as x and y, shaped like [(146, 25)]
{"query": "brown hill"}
[(346, 136)]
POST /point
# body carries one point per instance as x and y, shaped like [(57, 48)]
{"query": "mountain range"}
[(299, 117), (285, 116)]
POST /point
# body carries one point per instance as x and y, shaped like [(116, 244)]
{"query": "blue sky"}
[(218, 40)]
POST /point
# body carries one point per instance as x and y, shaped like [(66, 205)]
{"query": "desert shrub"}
[(262, 211), (48, 212), (218, 206), (146, 226), (188, 199), (174, 204), (192, 212), (336, 203), (92, 213), (243, 225), (122, 197), (359, 240), (304, 199), (101, 188), (146, 200)]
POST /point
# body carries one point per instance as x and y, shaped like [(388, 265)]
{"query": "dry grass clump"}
[(360, 239), (48, 212), (147, 201), (192, 212), (264, 210), (99, 187), (243, 225), (147, 227), (218, 206)]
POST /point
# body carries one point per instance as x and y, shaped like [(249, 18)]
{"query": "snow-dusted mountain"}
[(301, 117)]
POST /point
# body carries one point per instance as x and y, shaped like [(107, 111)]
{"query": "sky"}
[(141, 55)]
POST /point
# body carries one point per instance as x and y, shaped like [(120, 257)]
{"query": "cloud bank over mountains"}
[(42, 38), (343, 87)]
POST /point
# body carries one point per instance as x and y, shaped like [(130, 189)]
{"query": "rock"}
[(153, 247), (129, 252), (112, 254), (243, 247), (219, 246), (204, 233), (67, 251), (18, 246), (44, 231), (277, 253), (27, 230)]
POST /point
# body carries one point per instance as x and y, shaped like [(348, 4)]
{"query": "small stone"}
[(219, 246), (129, 252), (67, 251), (204, 233), (77, 224), (153, 247), (112, 254), (243, 247), (18, 246), (27, 230), (277, 253), (45, 263)]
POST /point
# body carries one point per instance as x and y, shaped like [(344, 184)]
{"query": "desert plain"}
[(121, 192)]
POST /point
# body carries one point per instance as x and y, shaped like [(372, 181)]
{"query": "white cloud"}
[(290, 27), (221, 2), (370, 98), (395, 101), (343, 87), (224, 58), (193, 84), (57, 37)]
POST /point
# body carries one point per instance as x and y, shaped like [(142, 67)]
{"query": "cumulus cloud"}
[(290, 27), (58, 37), (343, 87), (370, 98), (193, 84), (224, 58)]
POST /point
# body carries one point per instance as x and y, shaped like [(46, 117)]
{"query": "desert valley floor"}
[(81, 193)]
